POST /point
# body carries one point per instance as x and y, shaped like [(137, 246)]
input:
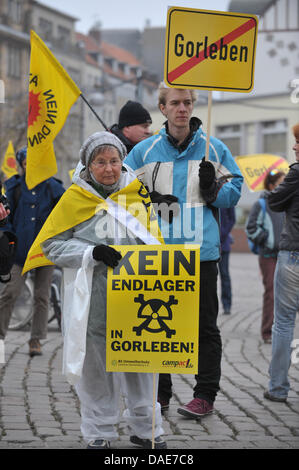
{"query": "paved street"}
[(39, 409)]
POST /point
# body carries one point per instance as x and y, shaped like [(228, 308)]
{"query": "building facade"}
[(107, 76), (57, 30)]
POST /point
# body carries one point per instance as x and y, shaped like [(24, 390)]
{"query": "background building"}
[(17, 18), (14, 66), (107, 75), (113, 66), (259, 121)]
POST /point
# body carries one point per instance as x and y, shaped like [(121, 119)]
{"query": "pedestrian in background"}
[(7, 242), (264, 228), (28, 211), (133, 124), (227, 221), (285, 198)]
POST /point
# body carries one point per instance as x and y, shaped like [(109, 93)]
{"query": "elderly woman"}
[(102, 174)]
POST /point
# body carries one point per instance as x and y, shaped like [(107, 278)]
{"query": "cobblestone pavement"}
[(39, 409)]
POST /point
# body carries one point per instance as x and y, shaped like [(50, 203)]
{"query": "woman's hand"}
[(108, 255)]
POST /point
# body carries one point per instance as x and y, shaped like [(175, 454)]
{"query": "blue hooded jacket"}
[(177, 174)]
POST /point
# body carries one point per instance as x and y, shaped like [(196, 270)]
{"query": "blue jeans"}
[(286, 305)]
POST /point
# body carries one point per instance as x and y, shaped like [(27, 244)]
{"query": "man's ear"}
[(125, 131), (162, 109)]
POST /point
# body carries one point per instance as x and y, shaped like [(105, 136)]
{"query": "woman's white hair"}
[(100, 139)]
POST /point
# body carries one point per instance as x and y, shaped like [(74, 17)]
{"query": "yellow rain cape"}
[(77, 205)]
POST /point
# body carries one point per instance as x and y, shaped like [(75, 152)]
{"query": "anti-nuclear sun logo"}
[(34, 107), (155, 311)]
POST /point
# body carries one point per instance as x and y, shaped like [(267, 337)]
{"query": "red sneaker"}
[(197, 408)]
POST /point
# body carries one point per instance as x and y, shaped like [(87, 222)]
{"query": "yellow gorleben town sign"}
[(210, 50), (153, 309), (255, 168)]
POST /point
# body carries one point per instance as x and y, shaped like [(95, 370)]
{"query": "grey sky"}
[(126, 13)]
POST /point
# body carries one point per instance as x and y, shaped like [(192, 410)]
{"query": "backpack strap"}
[(262, 203)]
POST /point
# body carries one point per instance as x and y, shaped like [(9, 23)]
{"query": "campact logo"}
[(179, 364)]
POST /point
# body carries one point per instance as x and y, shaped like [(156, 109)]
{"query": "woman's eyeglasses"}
[(273, 172), (103, 164)]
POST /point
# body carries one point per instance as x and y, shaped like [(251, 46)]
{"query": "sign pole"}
[(208, 124), (154, 411)]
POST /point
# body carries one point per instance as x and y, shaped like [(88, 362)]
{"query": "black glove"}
[(7, 252), (159, 198), (206, 174), (108, 255), (168, 199)]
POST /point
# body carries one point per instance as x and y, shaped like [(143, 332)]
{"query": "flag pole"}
[(154, 411), (94, 112), (208, 124)]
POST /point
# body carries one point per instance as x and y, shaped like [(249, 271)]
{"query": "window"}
[(75, 74), (46, 28), (14, 12), (274, 137), (14, 62), (64, 34), (231, 137)]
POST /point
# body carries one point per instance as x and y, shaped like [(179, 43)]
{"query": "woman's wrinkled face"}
[(106, 166)]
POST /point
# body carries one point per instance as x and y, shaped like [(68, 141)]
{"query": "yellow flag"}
[(77, 205), (9, 165), (51, 95)]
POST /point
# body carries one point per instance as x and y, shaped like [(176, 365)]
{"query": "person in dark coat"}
[(227, 221), (28, 211), (7, 242), (264, 227), (285, 198), (133, 124)]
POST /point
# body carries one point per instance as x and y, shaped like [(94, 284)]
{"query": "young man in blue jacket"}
[(28, 211), (189, 191)]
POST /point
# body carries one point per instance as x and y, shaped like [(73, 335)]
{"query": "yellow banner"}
[(255, 168), (9, 165), (77, 205), (153, 309), (51, 95)]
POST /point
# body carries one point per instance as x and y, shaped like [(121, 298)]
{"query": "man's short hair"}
[(163, 91)]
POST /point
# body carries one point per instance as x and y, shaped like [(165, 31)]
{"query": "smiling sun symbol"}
[(33, 108)]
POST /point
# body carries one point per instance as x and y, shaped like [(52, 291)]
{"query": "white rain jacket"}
[(84, 279)]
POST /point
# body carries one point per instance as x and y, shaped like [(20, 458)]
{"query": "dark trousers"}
[(226, 290), (267, 267), (9, 295), (210, 347)]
